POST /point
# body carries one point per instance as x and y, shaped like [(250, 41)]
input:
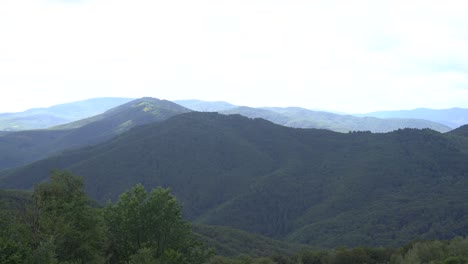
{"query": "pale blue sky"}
[(349, 56)]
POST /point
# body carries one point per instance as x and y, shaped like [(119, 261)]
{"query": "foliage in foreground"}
[(59, 225)]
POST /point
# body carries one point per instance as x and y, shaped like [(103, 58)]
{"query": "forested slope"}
[(18, 148), (303, 185)]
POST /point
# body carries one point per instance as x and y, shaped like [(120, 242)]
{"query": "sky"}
[(347, 56)]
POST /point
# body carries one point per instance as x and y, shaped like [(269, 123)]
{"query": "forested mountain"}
[(39, 118), (304, 118), (228, 241), (302, 185), (58, 223), (453, 117), (461, 131), (224, 240), (21, 147)]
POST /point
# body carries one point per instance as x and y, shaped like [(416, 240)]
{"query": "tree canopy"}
[(58, 224)]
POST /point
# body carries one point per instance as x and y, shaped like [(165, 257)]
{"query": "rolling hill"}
[(40, 118), (300, 185), (453, 117), (22, 147), (303, 118)]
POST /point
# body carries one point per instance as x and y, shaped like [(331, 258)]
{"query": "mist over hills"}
[(21, 147), (39, 118), (205, 106), (453, 117), (304, 118), (58, 116), (302, 185)]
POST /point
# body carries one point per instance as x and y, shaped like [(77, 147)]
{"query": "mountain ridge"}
[(304, 118), (27, 146), (41, 118), (301, 185), (452, 117)]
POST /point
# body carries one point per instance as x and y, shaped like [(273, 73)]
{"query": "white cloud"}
[(353, 56)]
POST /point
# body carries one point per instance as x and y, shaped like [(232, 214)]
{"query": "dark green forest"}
[(304, 186), (58, 223), (248, 191)]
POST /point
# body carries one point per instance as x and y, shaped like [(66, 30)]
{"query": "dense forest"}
[(59, 223), (248, 191), (304, 186)]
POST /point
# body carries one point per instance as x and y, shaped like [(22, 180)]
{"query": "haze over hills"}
[(302, 185), (39, 118), (453, 117), (205, 106), (60, 115), (304, 118), (21, 147)]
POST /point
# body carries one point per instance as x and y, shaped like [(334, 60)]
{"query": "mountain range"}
[(453, 117), (22, 147), (39, 118), (310, 186), (379, 122), (303, 118)]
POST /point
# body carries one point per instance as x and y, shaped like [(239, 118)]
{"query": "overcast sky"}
[(349, 56)]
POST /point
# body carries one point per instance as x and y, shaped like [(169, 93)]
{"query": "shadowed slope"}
[(26, 146), (304, 185)]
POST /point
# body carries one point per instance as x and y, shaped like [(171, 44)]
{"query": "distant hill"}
[(21, 147), (453, 117), (205, 106), (39, 118), (304, 118), (308, 186)]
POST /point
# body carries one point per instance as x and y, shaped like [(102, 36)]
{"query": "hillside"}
[(26, 146), (302, 185), (40, 118), (461, 131), (225, 241), (453, 117), (304, 118), (233, 242)]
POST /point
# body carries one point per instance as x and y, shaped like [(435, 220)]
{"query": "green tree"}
[(153, 221), (14, 248), (66, 220)]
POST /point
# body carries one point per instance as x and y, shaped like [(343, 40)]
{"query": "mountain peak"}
[(42, 143)]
